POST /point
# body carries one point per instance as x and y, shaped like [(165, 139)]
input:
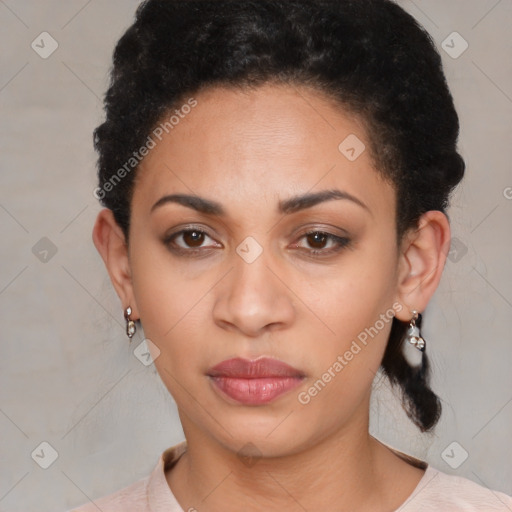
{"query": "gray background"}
[(68, 375)]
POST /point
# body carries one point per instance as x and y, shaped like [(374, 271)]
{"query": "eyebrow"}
[(287, 206)]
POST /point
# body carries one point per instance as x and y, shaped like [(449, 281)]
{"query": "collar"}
[(158, 494)]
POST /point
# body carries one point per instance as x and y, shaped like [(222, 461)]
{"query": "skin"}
[(247, 150)]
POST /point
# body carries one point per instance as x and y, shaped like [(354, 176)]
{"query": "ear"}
[(110, 242), (421, 262)]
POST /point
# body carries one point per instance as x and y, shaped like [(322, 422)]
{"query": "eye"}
[(318, 240), (188, 241), (191, 242)]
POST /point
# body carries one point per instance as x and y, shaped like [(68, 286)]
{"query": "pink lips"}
[(254, 382)]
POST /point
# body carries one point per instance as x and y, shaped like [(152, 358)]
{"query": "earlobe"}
[(422, 261), (110, 242)]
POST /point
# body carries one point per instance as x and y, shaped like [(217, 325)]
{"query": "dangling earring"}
[(413, 333), (130, 324)]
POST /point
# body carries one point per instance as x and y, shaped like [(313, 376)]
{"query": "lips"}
[(256, 369), (254, 382)]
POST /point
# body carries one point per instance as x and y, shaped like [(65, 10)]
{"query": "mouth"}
[(254, 382)]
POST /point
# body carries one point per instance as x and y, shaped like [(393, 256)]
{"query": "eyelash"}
[(342, 242)]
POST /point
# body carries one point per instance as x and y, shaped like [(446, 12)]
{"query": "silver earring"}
[(130, 324), (413, 333)]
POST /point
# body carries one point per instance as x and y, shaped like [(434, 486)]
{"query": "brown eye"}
[(317, 240), (319, 243), (190, 241), (193, 238)]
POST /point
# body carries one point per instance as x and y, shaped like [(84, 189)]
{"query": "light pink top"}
[(435, 492)]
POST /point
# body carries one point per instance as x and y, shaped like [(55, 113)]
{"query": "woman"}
[(276, 175)]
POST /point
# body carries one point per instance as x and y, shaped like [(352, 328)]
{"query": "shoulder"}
[(127, 499), (148, 493), (438, 491), (441, 491)]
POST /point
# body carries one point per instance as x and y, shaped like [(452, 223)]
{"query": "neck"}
[(342, 472)]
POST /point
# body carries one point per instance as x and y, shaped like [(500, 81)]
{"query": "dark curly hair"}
[(369, 56)]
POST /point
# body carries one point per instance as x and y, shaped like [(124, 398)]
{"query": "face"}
[(245, 269)]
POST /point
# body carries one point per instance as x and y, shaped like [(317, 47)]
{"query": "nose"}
[(254, 298)]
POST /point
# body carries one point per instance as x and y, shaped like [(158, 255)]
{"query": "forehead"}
[(268, 142)]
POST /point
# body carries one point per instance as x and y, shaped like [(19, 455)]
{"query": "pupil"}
[(193, 238), (318, 238)]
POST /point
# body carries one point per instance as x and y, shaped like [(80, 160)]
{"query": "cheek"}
[(355, 305), (353, 296), (163, 294), (346, 365), (174, 312)]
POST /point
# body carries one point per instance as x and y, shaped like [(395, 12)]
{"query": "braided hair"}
[(420, 403)]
